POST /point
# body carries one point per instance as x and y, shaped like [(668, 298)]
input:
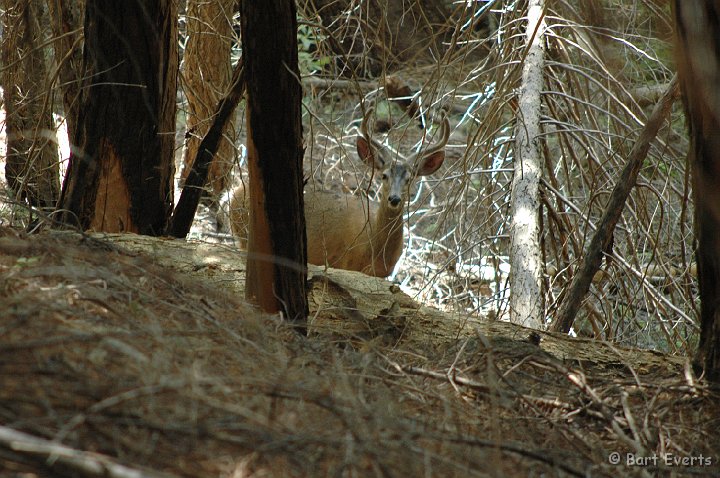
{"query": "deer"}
[(348, 232)]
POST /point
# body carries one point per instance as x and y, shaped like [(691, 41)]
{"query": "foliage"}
[(310, 60)]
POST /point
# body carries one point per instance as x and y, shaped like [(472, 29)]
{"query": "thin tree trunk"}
[(526, 304), (184, 212), (277, 252), (206, 75), (31, 168), (121, 163), (698, 64)]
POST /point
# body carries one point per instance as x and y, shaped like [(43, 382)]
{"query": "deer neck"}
[(387, 235)]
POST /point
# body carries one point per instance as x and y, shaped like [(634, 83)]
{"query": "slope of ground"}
[(140, 352)]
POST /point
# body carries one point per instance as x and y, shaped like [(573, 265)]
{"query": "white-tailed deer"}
[(349, 232)]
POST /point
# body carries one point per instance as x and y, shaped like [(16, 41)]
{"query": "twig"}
[(83, 462), (578, 379), (601, 242), (454, 379)]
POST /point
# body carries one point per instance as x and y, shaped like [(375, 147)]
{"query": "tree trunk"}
[(121, 163), (698, 64), (277, 252), (66, 20), (31, 167), (526, 305), (184, 212), (206, 75)]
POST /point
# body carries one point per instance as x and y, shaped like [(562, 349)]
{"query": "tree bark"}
[(277, 252), (121, 162), (206, 75), (32, 167), (526, 304), (184, 213), (66, 21), (698, 63)]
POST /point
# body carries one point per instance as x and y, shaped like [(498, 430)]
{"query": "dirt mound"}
[(123, 361)]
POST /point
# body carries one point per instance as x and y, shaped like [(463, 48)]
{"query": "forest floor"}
[(126, 354)]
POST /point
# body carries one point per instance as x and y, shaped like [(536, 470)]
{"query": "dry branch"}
[(603, 237), (53, 455)]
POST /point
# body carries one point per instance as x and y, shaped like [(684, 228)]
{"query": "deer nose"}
[(394, 200)]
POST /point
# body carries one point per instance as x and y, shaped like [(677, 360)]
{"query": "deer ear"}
[(430, 163), (368, 153)]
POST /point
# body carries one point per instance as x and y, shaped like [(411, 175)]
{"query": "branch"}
[(184, 212), (601, 241), (83, 462)]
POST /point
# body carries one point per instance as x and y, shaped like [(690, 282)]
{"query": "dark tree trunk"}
[(277, 252), (698, 64), (66, 20), (31, 167), (121, 164), (198, 172)]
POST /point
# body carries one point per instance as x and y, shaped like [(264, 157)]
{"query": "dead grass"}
[(105, 351)]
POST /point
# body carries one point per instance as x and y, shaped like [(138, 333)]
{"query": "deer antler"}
[(444, 137), (364, 128)]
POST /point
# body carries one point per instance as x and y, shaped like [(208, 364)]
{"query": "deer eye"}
[(384, 176)]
